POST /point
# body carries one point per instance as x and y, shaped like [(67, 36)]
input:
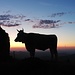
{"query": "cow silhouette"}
[(38, 41), (4, 44)]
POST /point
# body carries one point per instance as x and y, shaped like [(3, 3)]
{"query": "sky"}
[(39, 16)]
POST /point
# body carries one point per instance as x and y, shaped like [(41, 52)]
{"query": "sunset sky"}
[(39, 16)]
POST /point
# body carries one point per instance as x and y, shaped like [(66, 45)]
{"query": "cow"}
[(38, 41)]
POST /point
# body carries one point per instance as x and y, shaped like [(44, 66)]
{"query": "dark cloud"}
[(5, 17), (70, 22), (47, 24), (28, 20), (10, 25), (52, 25), (48, 21), (8, 17), (8, 11), (58, 14), (18, 17), (9, 20), (1, 23)]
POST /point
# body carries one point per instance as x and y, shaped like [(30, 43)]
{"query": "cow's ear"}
[(23, 29), (17, 30)]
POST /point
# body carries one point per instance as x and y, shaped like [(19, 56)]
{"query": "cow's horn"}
[(17, 30)]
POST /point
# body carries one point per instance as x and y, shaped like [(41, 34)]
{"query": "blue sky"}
[(33, 12)]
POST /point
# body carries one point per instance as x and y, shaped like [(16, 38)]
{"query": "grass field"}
[(39, 65)]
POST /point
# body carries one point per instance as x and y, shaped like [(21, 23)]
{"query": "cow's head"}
[(20, 36)]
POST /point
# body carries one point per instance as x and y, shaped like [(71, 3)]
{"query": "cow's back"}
[(43, 37), (41, 41)]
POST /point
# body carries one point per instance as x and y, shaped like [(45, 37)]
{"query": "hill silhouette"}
[(37, 66)]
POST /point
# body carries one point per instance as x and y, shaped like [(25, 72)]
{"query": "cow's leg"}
[(32, 53), (54, 53)]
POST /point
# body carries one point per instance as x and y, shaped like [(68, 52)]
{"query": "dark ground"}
[(37, 66)]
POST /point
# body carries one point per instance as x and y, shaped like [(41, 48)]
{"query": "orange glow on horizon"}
[(24, 48), (66, 47), (17, 48)]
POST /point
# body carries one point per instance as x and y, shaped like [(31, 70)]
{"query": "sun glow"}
[(17, 46)]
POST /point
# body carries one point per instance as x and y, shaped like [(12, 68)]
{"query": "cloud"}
[(1, 23), (8, 17), (18, 17), (48, 21), (61, 14), (58, 14), (70, 22), (9, 20), (8, 11), (28, 20), (10, 25), (46, 24), (5, 17)]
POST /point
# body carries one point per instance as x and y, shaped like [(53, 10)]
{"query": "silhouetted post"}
[(14, 54)]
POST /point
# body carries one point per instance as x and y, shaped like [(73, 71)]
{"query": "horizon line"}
[(58, 48)]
